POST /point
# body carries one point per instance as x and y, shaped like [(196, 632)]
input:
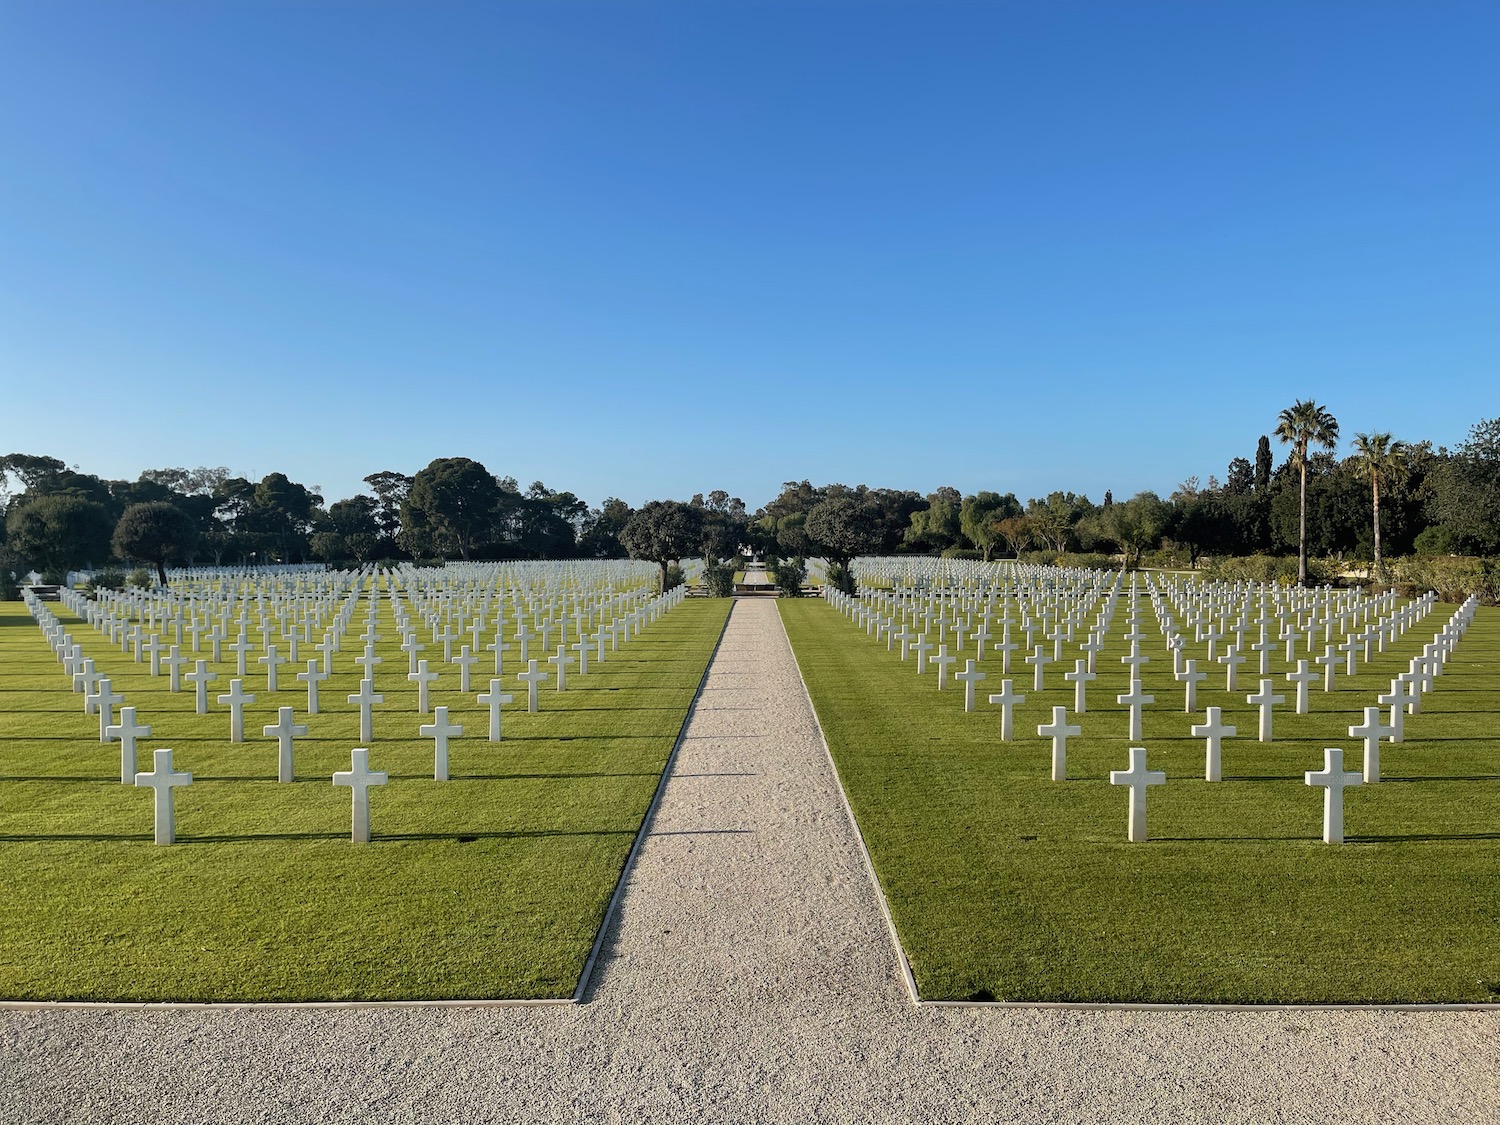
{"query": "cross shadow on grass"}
[(70, 837), (1471, 777), (466, 776), (470, 837), (101, 780), (1229, 839)]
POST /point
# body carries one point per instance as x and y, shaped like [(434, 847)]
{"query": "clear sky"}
[(650, 249)]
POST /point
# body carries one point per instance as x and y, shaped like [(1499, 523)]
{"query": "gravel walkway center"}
[(747, 977)]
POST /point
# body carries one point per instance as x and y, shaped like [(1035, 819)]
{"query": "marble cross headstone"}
[(1190, 678), (163, 779), (1079, 677), (1007, 699), (1059, 730), (1334, 781), (312, 677), (127, 730), (105, 699), (1214, 731), (493, 699), (1302, 677), (283, 731), (236, 697), (1138, 777), (969, 677), (359, 777), (422, 678), (440, 730), (1135, 699), (1265, 700), (365, 699), (1372, 730), (200, 678), (532, 677)]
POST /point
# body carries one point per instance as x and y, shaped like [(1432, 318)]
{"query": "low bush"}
[(718, 580), (1454, 577), (789, 574)]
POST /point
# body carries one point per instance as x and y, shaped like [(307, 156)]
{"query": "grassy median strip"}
[(1006, 885)]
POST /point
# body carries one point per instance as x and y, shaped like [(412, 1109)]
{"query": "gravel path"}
[(748, 977)]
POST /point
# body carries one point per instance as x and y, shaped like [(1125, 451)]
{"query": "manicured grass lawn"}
[(1007, 885), (490, 885)]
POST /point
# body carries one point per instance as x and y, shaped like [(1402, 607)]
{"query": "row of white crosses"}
[(163, 779), (919, 597)]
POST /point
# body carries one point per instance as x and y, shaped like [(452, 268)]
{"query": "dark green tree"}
[(939, 525), (980, 517), (283, 512), (1465, 491), (600, 535), (1138, 524), (156, 532), (391, 490), (452, 506), (354, 522), (1262, 464), (841, 529), (664, 531), (58, 531), (725, 524)]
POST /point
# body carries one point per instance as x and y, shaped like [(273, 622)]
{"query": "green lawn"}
[(490, 885), (1006, 885)]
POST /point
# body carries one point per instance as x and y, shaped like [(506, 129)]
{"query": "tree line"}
[(1384, 498)]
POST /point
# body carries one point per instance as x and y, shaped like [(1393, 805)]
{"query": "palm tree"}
[(1300, 425), (1376, 457)]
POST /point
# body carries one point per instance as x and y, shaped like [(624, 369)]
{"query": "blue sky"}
[(651, 249)]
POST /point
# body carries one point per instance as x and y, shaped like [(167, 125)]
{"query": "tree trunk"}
[(1375, 492), (161, 570), (1302, 530), (663, 564)]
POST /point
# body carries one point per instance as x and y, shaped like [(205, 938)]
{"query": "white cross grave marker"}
[(1138, 777), (1059, 731), (359, 777), (1334, 781), (1214, 731), (1302, 677), (492, 699), (312, 677), (1080, 677), (236, 697), (969, 677), (200, 678), (127, 731), (1190, 678), (283, 731), (163, 779), (1007, 699), (422, 677), (366, 698), (1265, 701), (1135, 699), (532, 677), (440, 730), (105, 699), (1372, 730)]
